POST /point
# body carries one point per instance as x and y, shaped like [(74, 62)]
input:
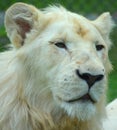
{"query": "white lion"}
[(55, 78)]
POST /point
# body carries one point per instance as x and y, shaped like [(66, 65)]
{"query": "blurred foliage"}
[(83, 6), (2, 31), (112, 93)]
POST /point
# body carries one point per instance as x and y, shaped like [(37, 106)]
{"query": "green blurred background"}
[(89, 8)]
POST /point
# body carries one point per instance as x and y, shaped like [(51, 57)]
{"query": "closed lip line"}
[(83, 98)]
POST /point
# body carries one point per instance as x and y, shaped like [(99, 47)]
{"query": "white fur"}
[(111, 122), (37, 78)]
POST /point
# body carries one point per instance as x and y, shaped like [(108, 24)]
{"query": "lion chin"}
[(83, 110), (55, 75)]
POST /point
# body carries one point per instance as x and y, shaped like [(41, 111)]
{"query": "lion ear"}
[(104, 23), (20, 19)]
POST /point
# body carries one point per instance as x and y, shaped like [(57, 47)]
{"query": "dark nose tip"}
[(89, 78)]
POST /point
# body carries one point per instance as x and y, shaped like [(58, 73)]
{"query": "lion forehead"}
[(74, 25)]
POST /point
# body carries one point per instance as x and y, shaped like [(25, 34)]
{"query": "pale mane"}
[(54, 9)]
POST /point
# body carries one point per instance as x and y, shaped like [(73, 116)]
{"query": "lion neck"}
[(67, 123)]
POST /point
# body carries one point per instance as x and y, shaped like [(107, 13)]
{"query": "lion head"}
[(61, 59)]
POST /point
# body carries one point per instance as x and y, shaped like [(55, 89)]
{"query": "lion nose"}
[(89, 78)]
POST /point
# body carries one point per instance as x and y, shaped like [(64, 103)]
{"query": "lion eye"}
[(99, 47), (61, 45)]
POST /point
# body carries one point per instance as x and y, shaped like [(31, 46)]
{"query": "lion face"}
[(67, 53), (78, 74)]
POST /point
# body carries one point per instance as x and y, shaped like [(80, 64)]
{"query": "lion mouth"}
[(84, 98)]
